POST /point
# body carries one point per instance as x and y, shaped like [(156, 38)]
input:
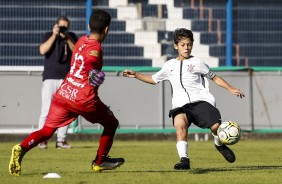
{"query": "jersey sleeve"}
[(93, 58), (205, 70), (161, 75)]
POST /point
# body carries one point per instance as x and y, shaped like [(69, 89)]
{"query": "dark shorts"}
[(202, 114)]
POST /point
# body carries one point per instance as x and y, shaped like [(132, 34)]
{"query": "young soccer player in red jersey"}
[(78, 95)]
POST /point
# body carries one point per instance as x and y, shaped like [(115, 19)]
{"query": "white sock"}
[(182, 149), (217, 141)]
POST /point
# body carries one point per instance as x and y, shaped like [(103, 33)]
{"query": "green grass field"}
[(150, 162)]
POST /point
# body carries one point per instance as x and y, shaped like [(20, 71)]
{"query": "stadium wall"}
[(142, 106)]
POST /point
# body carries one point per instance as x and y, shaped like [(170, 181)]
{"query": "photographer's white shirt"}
[(188, 79)]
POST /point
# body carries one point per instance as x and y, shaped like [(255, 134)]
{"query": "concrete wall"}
[(140, 105)]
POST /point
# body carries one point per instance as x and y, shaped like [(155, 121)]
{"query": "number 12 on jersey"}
[(77, 58)]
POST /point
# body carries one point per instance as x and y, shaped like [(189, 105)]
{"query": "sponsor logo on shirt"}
[(68, 92), (73, 82), (94, 53)]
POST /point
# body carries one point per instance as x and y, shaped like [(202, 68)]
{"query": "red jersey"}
[(75, 91)]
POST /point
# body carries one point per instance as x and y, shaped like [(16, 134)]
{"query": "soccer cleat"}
[(226, 152), (62, 145), (43, 145), (15, 161), (108, 164), (184, 164)]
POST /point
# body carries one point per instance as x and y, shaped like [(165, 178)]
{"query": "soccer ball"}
[(229, 132)]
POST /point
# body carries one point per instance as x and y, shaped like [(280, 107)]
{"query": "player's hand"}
[(96, 77), (129, 73), (237, 92)]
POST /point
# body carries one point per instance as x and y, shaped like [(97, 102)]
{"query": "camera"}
[(63, 29)]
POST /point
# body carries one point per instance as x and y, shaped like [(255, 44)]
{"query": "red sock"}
[(37, 137), (106, 142), (104, 148)]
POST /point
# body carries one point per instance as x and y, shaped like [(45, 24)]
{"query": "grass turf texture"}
[(150, 162)]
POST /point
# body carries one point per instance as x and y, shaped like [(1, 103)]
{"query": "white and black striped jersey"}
[(188, 79)]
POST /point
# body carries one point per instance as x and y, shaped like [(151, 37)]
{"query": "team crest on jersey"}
[(94, 53), (190, 68)]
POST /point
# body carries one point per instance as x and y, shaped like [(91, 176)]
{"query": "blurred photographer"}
[(57, 48)]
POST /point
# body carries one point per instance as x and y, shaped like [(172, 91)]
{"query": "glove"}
[(96, 77)]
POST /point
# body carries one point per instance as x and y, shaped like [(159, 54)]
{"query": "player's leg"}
[(58, 116), (214, 128), (181, 126), (102, 160), (226, 152), (209, 116), (106, 118), (19, 150)]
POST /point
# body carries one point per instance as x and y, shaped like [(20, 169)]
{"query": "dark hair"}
[(99, 20), (63, 18), (182, 33)]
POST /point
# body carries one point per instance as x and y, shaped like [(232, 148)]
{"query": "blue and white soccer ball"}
[(229, 132)]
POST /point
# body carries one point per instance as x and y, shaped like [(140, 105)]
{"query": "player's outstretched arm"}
[(221, 82), (139, 76)]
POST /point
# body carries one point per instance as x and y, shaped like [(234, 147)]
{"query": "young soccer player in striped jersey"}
[(191, 101), (78, 95)]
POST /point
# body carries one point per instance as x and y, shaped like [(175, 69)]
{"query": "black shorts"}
[(202, 114)]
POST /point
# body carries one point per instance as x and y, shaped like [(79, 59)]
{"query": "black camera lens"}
[(63, 29)]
